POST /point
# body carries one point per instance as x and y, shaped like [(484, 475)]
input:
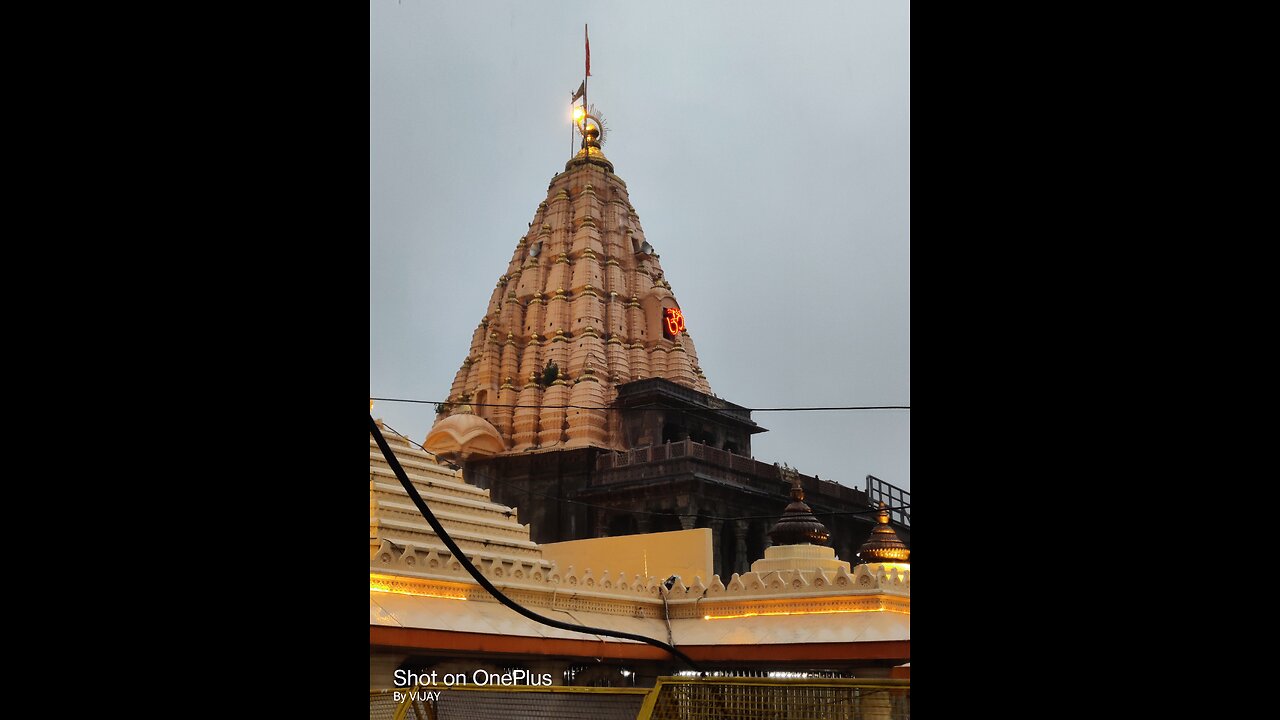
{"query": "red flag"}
[(588, 40)]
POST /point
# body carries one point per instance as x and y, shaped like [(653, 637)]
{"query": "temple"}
[(587, 471), (582, 384)]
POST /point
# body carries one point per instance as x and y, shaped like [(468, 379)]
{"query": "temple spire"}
[(884, 544), (798, 524), (585, 290)]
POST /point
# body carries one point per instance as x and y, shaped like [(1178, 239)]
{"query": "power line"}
[(643, 409), (418, 445), (526, 489)]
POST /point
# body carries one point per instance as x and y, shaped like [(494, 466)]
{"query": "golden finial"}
[(884, 545), (797, 524)]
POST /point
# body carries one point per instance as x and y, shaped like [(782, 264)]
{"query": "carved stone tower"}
[(582, 401), (582, 308)]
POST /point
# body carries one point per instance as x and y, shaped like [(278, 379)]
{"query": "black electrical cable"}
[(480, 578)]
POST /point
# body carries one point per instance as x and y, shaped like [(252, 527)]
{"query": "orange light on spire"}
[(675, 321)]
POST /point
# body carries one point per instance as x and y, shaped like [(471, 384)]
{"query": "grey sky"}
[(765, 147)]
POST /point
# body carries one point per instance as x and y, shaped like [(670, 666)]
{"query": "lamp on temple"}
[(799, 539), (884, 547), (798, 525)]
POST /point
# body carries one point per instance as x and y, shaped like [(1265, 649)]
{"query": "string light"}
[(772, 614)]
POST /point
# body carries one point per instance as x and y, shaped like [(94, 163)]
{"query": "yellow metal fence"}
[(476, 702), (672, 698), (777, 699)]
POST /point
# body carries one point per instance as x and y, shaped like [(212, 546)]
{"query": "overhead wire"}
[(644, 409), (526, 489)]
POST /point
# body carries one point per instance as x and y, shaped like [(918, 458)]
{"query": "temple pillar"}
[(716, 527), (743, 563)]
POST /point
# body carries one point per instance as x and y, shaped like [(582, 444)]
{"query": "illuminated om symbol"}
[(675, 321)]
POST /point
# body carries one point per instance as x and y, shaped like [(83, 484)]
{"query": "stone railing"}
[(628, 465)]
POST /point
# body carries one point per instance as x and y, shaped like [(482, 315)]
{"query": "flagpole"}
[(587, 73)]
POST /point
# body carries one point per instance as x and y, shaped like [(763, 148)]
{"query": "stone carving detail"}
[(589, 258)]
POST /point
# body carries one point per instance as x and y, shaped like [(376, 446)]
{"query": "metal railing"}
[(384, 706), (475, 702), (671, 698), (674, 698), (895, 497)]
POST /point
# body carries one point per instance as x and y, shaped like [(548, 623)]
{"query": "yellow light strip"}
[(809, 612), (375, 586)]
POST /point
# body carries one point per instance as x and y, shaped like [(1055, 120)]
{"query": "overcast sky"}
[(765, 147)]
